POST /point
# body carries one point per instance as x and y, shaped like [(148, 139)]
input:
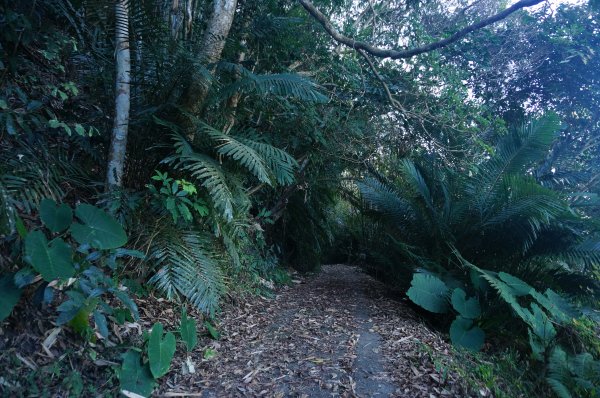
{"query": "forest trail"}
[(335, 334)]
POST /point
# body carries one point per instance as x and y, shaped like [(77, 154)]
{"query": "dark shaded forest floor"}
[(338, 333), (332, 334)]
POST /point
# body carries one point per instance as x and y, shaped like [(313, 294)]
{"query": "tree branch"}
[(394, 102), (401, 54)]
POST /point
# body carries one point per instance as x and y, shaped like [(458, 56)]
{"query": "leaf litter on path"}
[(334, 334)]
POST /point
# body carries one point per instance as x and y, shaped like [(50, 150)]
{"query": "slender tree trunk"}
[(213, 42), (118, 142), (234, 100), (175, 19), (188, 19), (179, 16)]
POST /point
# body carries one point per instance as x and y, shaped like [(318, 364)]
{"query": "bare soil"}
[(335, 334), (338, 333)]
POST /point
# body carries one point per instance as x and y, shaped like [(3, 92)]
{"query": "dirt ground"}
[(338, 333), (335, 334)]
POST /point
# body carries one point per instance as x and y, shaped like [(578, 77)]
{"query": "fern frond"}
[(281, 163), (205, 170), (286, 85), (244, 155), (558, 373), (186, 268)]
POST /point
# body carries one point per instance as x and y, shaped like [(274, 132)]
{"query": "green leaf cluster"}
[(431, 293), (78, 250), (139, 375)]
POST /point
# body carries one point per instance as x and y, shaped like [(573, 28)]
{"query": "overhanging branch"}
[(400, 54)]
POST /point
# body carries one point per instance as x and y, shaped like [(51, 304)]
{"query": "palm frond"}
[(584, 255), (385, 200), (281, 163), (287, 85), (416, 182), (523, 200), (30, 172), (186, 268), (528, 144), (207, 171), (513, 155), (241, 153)]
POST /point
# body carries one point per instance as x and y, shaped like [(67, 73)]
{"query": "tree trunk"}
[(118, 142), (234, 100), (179, 16), (213, 42), (175, 19), (188, 19)]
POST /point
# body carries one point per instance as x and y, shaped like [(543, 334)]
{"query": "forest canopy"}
[(198, 151)]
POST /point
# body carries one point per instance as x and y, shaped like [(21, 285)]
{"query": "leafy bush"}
[(76, 265), (440, 222), (579, 374), (138, 376), (570, 376), (178, 197)]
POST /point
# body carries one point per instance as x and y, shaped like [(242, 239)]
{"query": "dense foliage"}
[(466, 178)]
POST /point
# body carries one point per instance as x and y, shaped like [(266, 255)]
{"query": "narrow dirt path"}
[(332, 335)]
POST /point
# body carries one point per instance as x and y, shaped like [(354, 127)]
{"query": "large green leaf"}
[(519, 287), (470, 308), (52, 261), (429, 292), (540, 324), (160, 351), (134, 376), (559, 309), (188, 331), (9, 295), (99, 229), (56, 217), (464, 334), (559, 373)]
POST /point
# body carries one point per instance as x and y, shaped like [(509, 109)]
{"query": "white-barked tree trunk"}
[(213, 42), (118, 141)]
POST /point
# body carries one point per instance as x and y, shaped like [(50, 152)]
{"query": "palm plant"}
[(187, 267), (493, 213), (32, 170), (524, 236), (232, 168)]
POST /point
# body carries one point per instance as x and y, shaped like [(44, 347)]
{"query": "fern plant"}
[(283, 85), (30, 172), (186, 267), (266, 163), (570, 376), (485, 211)]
